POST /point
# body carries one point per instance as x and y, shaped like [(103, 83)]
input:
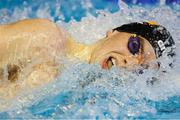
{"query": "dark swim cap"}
[(157, 35)]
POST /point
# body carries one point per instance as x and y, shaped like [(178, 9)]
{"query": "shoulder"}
[(33, 26), (33, 23), (38, 21)]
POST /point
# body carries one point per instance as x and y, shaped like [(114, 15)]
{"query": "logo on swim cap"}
[(161, 45)]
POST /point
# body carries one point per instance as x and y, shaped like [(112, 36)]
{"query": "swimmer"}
[(128, 46), (134, 44), (30, 50)]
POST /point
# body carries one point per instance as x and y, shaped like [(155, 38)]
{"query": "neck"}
[(78, 50)]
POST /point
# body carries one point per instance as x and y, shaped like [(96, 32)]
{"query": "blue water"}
[(85, 91), (77, 11)]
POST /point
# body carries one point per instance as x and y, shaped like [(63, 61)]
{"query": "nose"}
[(133, 61), (127, 61)]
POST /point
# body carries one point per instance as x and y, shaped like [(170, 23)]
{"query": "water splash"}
[(86, 91)]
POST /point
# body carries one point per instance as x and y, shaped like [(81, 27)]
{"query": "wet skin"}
[(114, 51), (30, 51)]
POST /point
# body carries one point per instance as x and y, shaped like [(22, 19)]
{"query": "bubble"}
[(85, 91)]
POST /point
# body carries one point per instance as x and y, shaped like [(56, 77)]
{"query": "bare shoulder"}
[(40, 32), (37, 21), (33, 24)]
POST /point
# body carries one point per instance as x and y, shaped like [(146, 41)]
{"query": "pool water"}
[(84, 91)]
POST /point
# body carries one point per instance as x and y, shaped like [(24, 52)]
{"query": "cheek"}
[(99, 54), (127, 61), (148, 54)]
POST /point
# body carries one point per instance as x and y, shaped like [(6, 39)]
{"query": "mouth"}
[(108, 63)]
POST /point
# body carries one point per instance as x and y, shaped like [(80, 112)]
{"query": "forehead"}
[(119, 36), (123, 36), (116, 42)]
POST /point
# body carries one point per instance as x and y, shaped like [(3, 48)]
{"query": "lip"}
[(104, 64)]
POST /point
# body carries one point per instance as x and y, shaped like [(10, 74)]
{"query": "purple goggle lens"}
[(134, 44)]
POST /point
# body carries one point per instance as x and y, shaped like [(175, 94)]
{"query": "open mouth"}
[(109, 63)]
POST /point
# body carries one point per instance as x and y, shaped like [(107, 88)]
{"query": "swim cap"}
[(157, 35)]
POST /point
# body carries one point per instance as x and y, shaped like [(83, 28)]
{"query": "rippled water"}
[(86, 91)]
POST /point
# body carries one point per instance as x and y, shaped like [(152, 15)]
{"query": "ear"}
[(109, 33)]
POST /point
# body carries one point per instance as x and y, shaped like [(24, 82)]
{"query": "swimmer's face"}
[(114, 51)]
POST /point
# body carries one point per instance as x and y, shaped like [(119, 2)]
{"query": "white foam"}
[(121, 85)]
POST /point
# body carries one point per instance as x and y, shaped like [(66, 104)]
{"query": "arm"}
[(24, 42)]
